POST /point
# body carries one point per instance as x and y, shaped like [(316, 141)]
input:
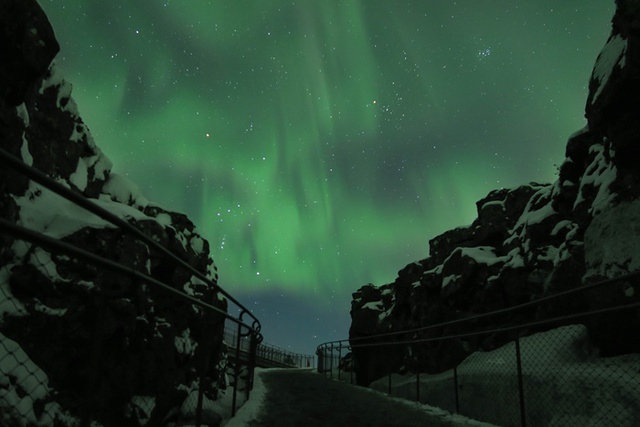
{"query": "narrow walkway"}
[(307, 399)]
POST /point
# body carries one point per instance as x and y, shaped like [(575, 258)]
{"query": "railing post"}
[(354, 363), (455, 385), (236, 371), (331, 362), (523, 417), (339, 359), (205, 369), (251, 363)]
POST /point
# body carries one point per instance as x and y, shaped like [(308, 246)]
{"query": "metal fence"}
[(67, 385), (554, 377)]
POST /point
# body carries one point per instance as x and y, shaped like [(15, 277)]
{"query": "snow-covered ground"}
[(565, 384), (250, 410)]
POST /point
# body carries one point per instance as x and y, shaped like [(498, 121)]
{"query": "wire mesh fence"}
[(554, 377), (75, 348)]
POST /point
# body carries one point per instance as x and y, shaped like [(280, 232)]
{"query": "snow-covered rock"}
[(72, 335), (532, 241)]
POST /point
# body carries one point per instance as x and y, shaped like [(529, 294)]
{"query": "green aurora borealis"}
[(319, 145)]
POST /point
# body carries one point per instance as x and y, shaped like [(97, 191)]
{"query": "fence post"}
[(98, 308), (389, 365), (417, 385), (523, 417), (455, 384)]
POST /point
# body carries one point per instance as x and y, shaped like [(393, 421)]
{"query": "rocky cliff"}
[(533, 240), (78, 342)]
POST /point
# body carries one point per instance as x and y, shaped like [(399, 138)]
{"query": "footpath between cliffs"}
[(296, 397)]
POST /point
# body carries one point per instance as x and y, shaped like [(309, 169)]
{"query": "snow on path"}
[(299, 397)]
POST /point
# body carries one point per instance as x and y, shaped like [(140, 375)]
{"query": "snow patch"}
[(515, 259), (494, 203), (184, 344), (54, 78), (140, 408), (481, 255), (23, 113), (79, 130), (450, 279), (24, 151), (80, 177), (58, 312), (250, 411), (197, 244), (560, 225), (436, 270), (374, 305), (123, 190), (164, 219), (385, 314), (100, 163), (531, 217), (161, 323), (548, 253), (44, 211), (601, 174)]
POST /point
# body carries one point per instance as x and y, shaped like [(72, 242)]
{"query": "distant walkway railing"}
[(18, 365), (533, 376), (268, 355)]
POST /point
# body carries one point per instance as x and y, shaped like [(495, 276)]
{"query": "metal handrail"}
[(484, 332), (63, 247), (518, 307), (83, 202)]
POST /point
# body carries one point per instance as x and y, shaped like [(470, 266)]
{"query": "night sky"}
[(319, 145)]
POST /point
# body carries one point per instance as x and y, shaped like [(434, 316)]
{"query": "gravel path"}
[(306, 399)]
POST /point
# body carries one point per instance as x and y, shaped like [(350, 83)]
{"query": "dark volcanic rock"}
[(533, 240), (27, 47), (78, 341)]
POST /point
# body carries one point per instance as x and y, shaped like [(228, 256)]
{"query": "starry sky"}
[(320, 144)]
